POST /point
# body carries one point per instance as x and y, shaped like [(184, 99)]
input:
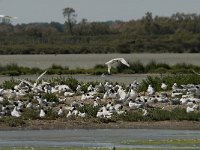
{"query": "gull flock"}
[(108, 98)]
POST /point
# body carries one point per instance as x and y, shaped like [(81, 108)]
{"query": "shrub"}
[(51, 115), (12, 73), (90, 110), (138, 67), (85, 85), (30, 114), (99, 66), (159, 115), (9, 84), (13, 121), (131, 116), (169, 80), (51, 97), (72, 83), (181, 114)]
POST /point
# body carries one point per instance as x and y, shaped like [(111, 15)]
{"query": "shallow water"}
[(90, 137), (90, 60)]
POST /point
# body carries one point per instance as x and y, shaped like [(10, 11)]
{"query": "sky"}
[(29, 11)]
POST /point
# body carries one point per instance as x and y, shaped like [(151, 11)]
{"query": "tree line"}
[(178, 33)]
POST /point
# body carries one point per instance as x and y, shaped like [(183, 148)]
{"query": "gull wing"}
[(110, 62), (27, 82), (196, 73), (123, 61), (113, 62), (116, 61), (40, 77)]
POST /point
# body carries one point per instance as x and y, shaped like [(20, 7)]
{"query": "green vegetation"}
[(175, 34), (135, 67), (50, 97), (156, 114), (169, 80), (98, 148), (14, 70), (55, 148), (9, 84), (13, 121), (30, 113), (166, 142), (176, 114), (63, 148)]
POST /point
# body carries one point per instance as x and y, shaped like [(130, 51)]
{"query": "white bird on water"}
[(115, 62)]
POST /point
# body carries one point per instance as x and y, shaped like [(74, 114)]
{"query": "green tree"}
[(82, 28), (70, 15), (148, 20)]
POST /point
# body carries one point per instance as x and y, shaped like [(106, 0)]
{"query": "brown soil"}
[(73, 124)]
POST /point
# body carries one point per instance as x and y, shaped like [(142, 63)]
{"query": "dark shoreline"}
[(55, 124)]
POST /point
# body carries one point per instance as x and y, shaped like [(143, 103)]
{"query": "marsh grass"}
[(135, 115), (176, 114), (9, 84), (30, 114), (13, 121), (15, 70), (89, 110), (180, 79), (166, 142), (135, 67), (61, 148), (50, 97), (51, 115)]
